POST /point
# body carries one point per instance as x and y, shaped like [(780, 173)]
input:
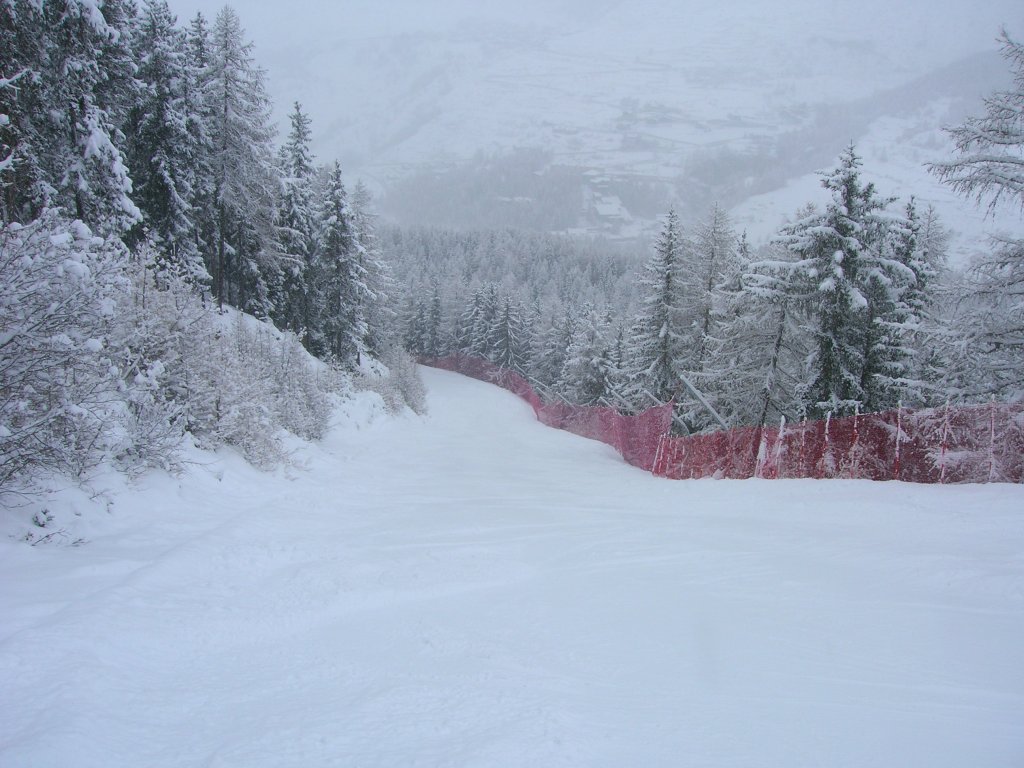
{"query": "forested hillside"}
[(143, 195)]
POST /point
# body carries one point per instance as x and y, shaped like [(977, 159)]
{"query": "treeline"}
[(140, 190), (850, 308)]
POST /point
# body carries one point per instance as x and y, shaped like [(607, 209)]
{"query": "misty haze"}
[(596, 117)]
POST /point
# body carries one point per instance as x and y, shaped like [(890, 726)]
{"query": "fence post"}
[(759, 455), (778, 446), (899, 434), (854, 462), (825, 455), (992, 439), (803, 446), (658, 470), (945, 445)]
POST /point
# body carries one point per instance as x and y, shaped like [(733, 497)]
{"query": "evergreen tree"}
[(846, 280), (552, 346), (712, 262), (989, 166), (295, 224), (70, 62), (336, 285), (758, 348), (162, 146), (238, 115), (436, 345), (508, 342), (661, 335), (375, 286), (588, 372)]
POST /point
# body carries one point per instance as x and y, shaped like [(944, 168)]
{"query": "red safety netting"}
[(963, 444)]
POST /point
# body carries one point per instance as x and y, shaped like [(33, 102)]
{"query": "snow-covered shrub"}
[(61, 394), (227, 379), (396, 379), (107, 356)]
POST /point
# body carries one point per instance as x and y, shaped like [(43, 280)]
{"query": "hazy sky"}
[(341, 57), (627, 88)]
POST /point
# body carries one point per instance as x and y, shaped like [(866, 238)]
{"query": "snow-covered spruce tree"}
[(848, 281), (910, 357), (712, 267), (480, 320), (435, 342), (508, 340), (163, 143), (237, 112), (377, 285), (552, 345), (712, 262), (296, 217), (989, 166), (758, 347), (414, 327), (588, 374), (661, 333), (204, 189), (70, 63), (20, 175), (337, 325)]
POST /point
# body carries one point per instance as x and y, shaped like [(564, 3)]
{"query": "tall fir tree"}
[(375, 286), (295, 224), (661, 335), (238, 113), (989, 167), (162, 143), (72, 66), (847, 281), (337, 324)]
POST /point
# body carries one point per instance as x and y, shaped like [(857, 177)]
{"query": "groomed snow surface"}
[(474, 589)]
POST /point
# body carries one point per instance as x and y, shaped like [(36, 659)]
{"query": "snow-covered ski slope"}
[(474, 589)]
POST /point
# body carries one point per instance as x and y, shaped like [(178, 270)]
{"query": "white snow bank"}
[(476, 589)]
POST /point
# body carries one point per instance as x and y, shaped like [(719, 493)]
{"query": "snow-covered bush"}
[(227, 379), (64, 403), (396, 380)]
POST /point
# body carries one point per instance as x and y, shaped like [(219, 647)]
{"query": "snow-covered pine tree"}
[(163, 145), (712, 267), (485, 319), (508, 342), (243, 179), (756, 353), (414, 327), (552, 346), (435, 344), (295, 224), (989, 166), (377, 284), (661, 333), (845, 279), (712, 262), (336, 284), (69, 58), (588, 372), (200, 126)]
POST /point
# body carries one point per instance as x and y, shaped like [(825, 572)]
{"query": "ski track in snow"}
[(475, 589)]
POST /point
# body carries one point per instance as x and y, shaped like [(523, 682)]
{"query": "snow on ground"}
[(474, 589)]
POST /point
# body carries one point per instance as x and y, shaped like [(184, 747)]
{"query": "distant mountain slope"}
[(621, 106)]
